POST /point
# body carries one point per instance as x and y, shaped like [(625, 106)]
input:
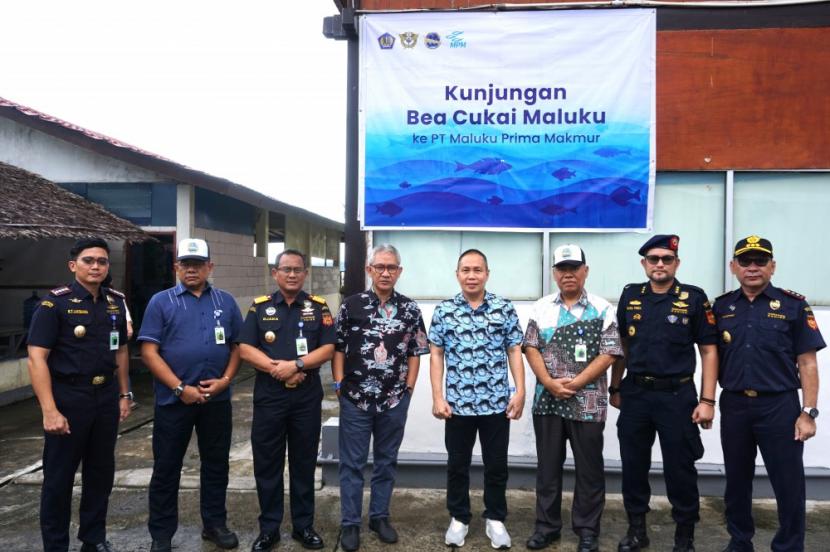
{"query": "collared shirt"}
[(661, 329), (560, 334), (70, 309), (273, 326), (759, 341), (184, 327), (377, 340), (475, 344)]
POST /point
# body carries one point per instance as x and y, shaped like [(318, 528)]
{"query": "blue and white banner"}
[(508, 120)]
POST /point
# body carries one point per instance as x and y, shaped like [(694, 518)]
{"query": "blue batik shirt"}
[(475, 344)]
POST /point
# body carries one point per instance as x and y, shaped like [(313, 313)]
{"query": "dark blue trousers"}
[(645, 413), (357, 427), (92, 413), (172, 428), (286, 417), (767, 423)]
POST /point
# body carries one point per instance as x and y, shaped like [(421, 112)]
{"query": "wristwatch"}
[(300, 364), (178, 390), (612, 390), (810, 411), (127, 395)]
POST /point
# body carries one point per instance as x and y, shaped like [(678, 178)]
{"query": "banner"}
[(508, 120)]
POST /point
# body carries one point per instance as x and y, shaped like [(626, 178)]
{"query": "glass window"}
[(687, 204), (789, 209)]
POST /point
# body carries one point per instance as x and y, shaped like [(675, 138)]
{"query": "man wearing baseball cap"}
[(660, 321), (767, 343), (188, 342), (570, 342)]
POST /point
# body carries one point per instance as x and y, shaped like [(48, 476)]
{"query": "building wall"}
[(60, 161)]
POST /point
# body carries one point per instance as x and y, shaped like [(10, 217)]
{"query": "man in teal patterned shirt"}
[(571, 341)]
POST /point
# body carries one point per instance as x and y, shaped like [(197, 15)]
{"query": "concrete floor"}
[(419, 514)]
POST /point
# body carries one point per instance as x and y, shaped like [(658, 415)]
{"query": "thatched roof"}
[(35, 208)]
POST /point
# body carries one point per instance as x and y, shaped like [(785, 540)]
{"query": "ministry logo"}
[(386, 41), (409, 40)]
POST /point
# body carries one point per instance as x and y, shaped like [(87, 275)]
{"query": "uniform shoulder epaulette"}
[(261, 299), (692, 288), (58, 291), (116, 292), (791, 293), (317, 299), (719, 297)]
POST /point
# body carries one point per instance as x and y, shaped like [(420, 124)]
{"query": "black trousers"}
[(460, 438), (283, 417), (92, 413), (172, 429), (645, 413), (766, 423), (586, 440)]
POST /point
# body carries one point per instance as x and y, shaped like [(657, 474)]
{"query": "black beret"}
[(663, 241)]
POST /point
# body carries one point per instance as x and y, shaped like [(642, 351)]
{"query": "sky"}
[(250, 91)]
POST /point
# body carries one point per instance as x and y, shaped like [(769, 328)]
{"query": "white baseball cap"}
[(568, 254), (193, 249)]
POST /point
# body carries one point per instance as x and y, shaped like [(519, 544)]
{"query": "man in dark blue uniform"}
[(660, 322), (188, 340), (78, 364), (768, 338), (286, 336)]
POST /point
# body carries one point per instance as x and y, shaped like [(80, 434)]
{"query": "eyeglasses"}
[(757, 261), (291, 270), (101, 261), (391, 269), (667, 259)]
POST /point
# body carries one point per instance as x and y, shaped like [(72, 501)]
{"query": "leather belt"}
[(96, 381), (660, 384), (754, 393)]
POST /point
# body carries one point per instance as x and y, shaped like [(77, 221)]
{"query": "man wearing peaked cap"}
[(660, 321), (767, 342)]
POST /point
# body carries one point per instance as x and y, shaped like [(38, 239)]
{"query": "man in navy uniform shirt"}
[(767, 341), (660, 322), (286, 336), (77, 350), (188, 342)]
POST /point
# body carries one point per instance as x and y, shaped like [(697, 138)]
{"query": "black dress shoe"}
[(309, 538), (221, 537), (386, 533), (350, 538), (588, 543), (265, 541), (100, 547), (161, 545), (539, 540)]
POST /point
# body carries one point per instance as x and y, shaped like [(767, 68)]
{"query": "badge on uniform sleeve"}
[(727, 337), (270, 337), (79, 331), (115, 338), (775, 304), (811, 322), (710, 317), (581, 352)]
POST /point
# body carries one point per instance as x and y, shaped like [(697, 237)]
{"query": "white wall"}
[(425, 434)]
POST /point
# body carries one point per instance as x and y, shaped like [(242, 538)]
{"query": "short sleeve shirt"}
[(475, 343), (558, 332), (184, 327), (759, 341), (377, 340)]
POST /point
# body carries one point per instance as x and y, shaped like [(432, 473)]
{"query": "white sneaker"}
[(456, 533), (499, 538)]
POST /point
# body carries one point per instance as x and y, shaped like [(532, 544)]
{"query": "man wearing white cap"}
[(188, 341), (570, 342)]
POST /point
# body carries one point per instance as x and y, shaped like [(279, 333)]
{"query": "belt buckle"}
[(290, 385), (649, 379), (750, 393), (98, 380)]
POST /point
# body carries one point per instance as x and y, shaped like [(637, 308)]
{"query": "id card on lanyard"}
[(115, 336), (218, 331), (302, 343)]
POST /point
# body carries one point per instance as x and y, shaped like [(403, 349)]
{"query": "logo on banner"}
[(409, 40), (386, 41), (456, 39), (432, 40)]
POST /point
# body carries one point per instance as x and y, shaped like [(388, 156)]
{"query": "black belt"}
[(753, 393), (96, 381), (660, 384)]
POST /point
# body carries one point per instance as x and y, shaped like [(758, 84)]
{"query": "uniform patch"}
[(710, 317), (775, 304), (77, 311), (681, 305), (776, 316), (63, 290), (637, 316), (683, 295), (327, 319), (727, 337), (811, 322), (46, 303), (632, 331)]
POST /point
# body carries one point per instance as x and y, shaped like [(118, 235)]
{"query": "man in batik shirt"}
[(571, 341), (380, 337)]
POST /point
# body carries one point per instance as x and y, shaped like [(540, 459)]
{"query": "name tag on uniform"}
[(581, 352), (115, 338), (219, 333), (302, 346)]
